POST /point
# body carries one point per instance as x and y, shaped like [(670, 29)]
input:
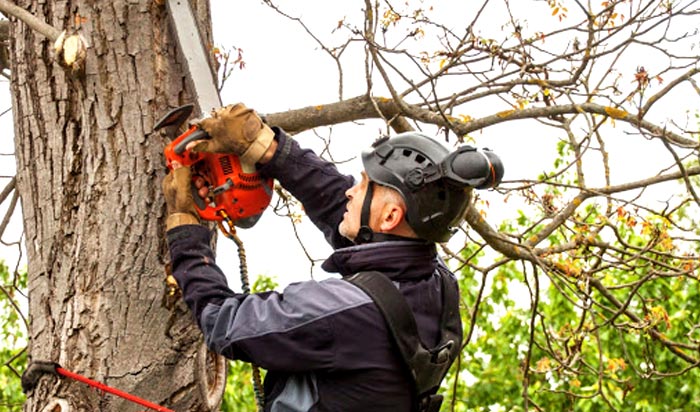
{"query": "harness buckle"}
[(430, 403), (441, 354)]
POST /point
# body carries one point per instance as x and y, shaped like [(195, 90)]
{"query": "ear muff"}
[(470, 167)]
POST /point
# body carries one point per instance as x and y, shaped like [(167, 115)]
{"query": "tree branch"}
[(7, 189), (4, 45), (521, 251), (672, 346), (8, 214), (670, 86), (361, 107), (36, 24)]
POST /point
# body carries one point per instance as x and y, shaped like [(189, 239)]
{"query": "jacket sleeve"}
[(315, 182), (289, 331)]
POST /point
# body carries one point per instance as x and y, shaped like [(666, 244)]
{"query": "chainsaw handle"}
[(194, 134), (198, 200)]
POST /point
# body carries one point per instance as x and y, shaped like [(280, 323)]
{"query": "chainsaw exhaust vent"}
[(226, 166)]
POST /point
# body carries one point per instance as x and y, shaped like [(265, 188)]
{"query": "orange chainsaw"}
[(233, 192), (236, 191)]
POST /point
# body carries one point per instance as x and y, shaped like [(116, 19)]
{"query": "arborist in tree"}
[(381, 336)]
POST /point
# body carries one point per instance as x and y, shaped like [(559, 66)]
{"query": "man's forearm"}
[(201, 280)]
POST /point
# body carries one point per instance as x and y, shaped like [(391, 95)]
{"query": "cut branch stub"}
[(70, 50)]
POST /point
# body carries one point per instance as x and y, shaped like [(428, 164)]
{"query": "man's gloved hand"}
[(238, 130), (178, 197)]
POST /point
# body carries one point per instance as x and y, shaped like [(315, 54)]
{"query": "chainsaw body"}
[(234, 193)]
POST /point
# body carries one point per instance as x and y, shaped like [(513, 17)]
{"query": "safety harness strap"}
[(427, 367)]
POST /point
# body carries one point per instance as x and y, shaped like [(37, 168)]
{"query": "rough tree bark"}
[(89, 172)]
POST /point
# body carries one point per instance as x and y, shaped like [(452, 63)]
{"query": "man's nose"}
[(350, 191)]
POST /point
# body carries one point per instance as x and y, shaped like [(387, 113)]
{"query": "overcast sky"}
[(285, 69)]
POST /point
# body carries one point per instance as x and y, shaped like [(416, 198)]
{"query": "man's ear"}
[(391, 218)]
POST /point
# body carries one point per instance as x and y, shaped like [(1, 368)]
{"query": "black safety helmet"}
[(435, 184)]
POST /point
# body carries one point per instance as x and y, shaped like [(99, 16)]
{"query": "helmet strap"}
[(365, 233)]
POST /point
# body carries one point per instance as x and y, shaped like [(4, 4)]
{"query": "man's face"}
[(351, 219)]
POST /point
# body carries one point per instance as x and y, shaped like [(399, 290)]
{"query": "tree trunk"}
[(89, 172)]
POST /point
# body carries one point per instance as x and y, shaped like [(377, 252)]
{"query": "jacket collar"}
[(399, 260)]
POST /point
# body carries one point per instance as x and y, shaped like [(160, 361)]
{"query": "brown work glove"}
[(177, 188), (238, 130)]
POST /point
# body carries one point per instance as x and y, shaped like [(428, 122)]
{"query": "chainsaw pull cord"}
[(229, 231)]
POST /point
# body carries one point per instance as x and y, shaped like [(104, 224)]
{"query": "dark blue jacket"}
[(324, 344)]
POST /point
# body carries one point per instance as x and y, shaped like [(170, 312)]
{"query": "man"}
[(339, 344)]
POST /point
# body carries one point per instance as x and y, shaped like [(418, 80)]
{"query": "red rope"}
[(113, 391)]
